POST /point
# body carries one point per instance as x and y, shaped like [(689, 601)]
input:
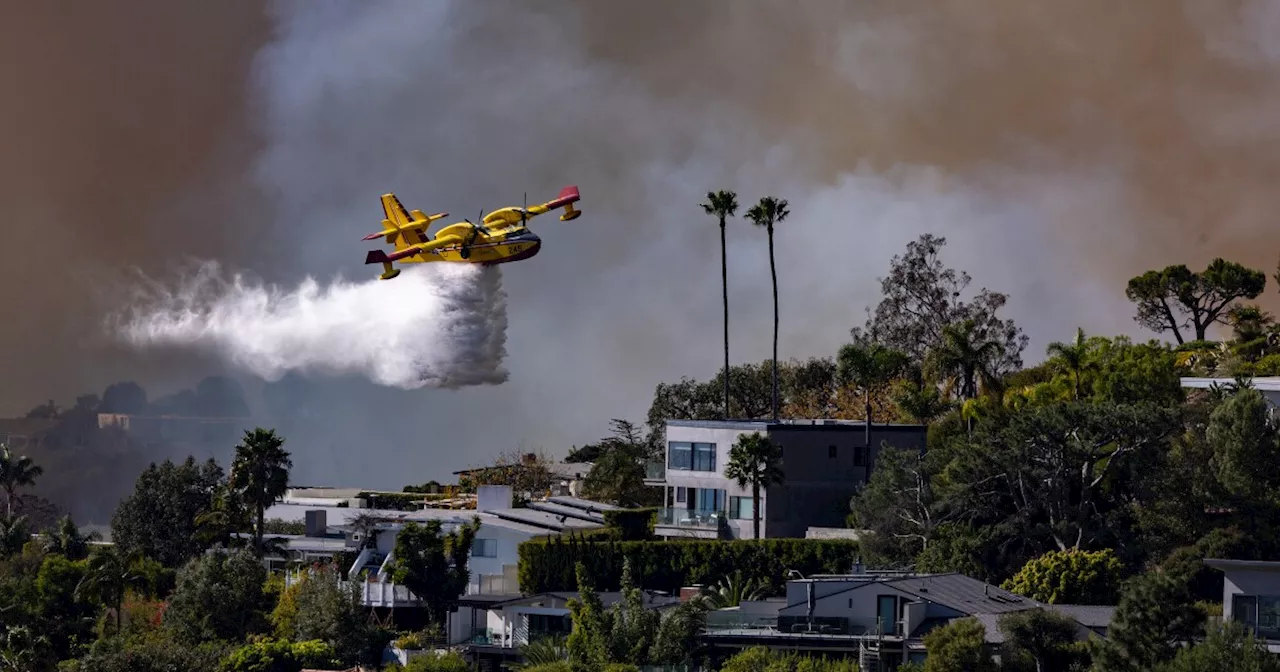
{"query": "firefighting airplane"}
[(501, 236)]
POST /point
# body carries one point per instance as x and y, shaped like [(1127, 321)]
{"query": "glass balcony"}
[(688, 518), (655, 471)]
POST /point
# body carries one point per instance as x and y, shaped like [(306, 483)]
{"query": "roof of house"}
[(340, 516), (963, 593), (1256, 565), (1088, 615), (583, 504), (1261, 383)]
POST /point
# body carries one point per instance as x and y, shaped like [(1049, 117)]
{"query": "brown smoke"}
[(1176, 104), (123, 123)]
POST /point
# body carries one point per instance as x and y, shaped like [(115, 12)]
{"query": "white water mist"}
[(439, 325)]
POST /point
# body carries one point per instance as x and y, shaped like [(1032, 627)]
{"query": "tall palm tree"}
[(108, 576), (766, 213), (16, 472), (1073, 358), (723, 204), (754, 460), (871, 367), (260, 474)]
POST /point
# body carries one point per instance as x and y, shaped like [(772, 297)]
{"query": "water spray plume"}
[(441, 326)]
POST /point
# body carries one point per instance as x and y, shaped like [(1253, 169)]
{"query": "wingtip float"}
[(500, 237)]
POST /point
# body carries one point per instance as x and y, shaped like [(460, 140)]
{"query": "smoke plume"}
[(437, 325), (1061, 147)]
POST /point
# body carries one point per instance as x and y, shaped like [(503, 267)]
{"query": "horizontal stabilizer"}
[(376, 257), (567, 195)]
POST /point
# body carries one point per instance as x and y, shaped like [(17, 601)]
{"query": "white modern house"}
[(364, 539), (1251, 596), (1269, 386), (824, 461)]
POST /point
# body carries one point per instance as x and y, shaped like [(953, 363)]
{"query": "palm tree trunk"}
[(257, 533), (867, 437), (755, 508), (724, 286), (774, 273), (8, 492)]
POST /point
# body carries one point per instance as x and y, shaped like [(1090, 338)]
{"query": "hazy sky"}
[(1060, 147)]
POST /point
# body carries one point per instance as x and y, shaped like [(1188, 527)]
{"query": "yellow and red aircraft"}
[(501, 236)]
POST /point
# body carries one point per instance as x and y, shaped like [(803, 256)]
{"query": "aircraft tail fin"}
[(568, 196)]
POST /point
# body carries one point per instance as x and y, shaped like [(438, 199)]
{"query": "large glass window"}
[(704, 457), (1260, 614), (708, 499), (687, 456), (741, 508), (680, 455)]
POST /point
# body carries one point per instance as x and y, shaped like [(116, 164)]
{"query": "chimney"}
[(688, 592), (858, 569), (493, 497), (316, 525)]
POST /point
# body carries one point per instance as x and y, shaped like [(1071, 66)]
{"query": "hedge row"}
[(548, 564)]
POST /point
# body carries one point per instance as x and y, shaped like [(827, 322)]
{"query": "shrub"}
[(548, 564), (631, 524), (1069, 577), (449, 662)]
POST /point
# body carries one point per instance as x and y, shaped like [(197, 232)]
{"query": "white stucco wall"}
[(715, 480)]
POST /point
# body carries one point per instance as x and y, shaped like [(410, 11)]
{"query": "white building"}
[(366, 539), (823, 461), (1251, 597)]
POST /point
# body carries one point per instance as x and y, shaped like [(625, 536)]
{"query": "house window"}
[(484, 548), (680, 455), (708, 499), (682, 495), (741, 508), (859, 456), (1260, 614), (686, 456), (831, 452)]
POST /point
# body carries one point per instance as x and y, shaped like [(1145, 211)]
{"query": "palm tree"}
[(870, 367), (723, 204), (14, 534), (732, 591), (766, 213), (260, 474), (16, 472), (225, 516), (1072, 357), (754, 460), (67, 541), (108, 576), (965, 359)]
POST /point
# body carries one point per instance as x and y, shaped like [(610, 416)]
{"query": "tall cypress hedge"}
[(548, 564)]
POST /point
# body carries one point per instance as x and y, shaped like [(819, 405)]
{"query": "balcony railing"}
[(655, 471), (688, 518)]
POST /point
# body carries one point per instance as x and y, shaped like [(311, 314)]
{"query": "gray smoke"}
[(436, 325)]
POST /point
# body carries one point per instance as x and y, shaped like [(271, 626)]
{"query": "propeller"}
[(524, 210)]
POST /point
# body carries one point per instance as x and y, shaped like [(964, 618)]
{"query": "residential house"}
[(363, 540), (824, 461), (880, 618), (1251, 596), (1269, 386), (503, 625)]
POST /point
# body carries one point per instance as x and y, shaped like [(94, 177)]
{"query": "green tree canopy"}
[(433, 565), (158, 519), (1072, 576), (1177, 300), (219, 596)]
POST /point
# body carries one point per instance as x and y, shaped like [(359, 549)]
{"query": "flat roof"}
[(1264, 565), (1262, 383)]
